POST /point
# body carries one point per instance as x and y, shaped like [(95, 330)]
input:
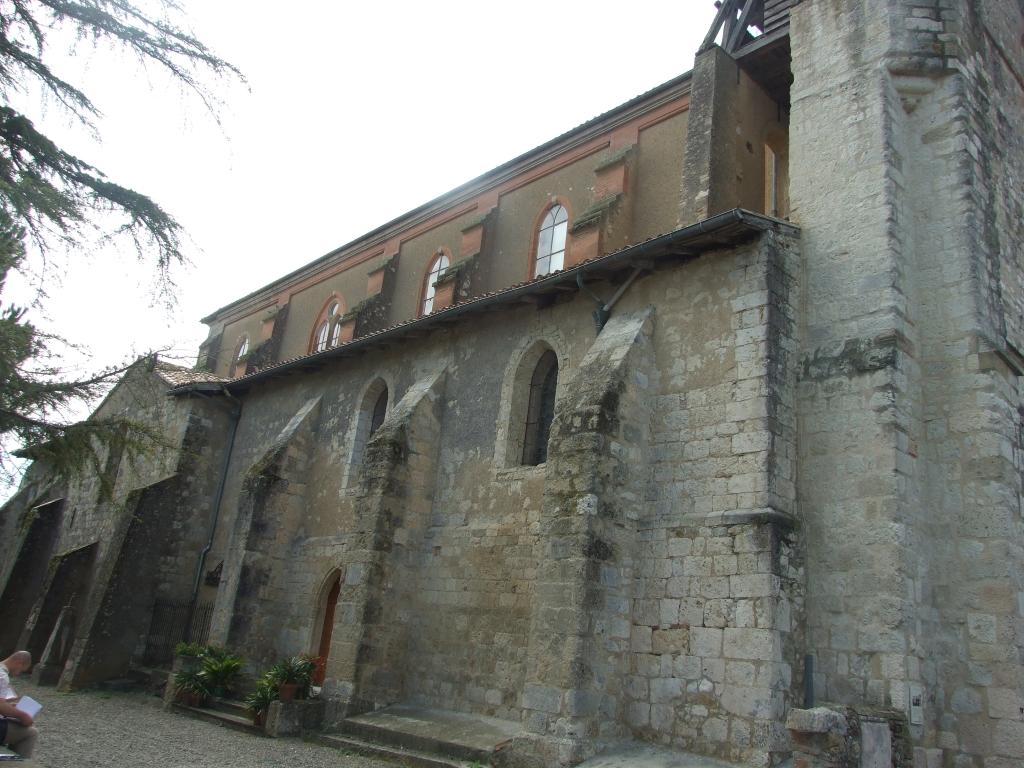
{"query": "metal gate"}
[(167, 629)]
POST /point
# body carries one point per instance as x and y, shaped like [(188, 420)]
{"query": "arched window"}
[(238, 361), (437, 266), (540, 410), (327, 330), (371, 412), (551, 241), (380, 410)]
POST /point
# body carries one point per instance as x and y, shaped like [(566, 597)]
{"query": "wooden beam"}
[(724, 10), (740, 27)]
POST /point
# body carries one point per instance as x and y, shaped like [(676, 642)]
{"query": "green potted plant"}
[(190, 687), (187, 656), (258, 702), (293, 677), (220, 673)]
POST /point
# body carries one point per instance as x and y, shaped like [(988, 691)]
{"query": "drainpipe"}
[(234, 416), (604, 309)]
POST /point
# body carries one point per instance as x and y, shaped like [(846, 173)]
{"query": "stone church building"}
[(700, 415)]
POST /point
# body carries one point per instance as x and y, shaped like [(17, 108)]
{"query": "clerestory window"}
[(327, 330), (238, 361), (437, 266), (551, 238)]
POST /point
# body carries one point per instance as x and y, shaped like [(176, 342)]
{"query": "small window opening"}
[(771, 181), (541, 409)]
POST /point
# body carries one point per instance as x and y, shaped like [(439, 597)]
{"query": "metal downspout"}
[(604, 309)]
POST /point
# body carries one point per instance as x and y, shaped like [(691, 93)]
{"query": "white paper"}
[(29, 706)]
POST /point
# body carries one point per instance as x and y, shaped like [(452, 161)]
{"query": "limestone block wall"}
[(718, 588), (469, 552), (909, 392), (370, 652), (641, 582), (578, 653), (111, 555), (271, 507)]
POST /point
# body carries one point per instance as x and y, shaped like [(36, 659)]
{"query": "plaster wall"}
[(251, 326), (519, 213), (656, 184), (304, 306), (414, 259)]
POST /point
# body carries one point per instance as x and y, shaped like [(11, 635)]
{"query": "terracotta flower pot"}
[(286, 691)]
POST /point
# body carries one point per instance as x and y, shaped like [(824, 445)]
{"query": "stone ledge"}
[(817, 720), (742, 517)]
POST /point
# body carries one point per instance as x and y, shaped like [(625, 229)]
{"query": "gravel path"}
[(131, 730)]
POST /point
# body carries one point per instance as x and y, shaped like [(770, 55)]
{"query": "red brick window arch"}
[(440, 263), (549, 255), (327, 329)]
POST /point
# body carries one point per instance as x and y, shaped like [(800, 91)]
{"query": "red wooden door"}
[(325, 633)]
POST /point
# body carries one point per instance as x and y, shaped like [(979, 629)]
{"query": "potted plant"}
[(190, 687), (220, 672), (258, 702), (187, 656), (293, 677)]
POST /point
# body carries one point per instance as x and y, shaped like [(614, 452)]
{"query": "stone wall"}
[(110, 554), (909, 392), (643, 581)]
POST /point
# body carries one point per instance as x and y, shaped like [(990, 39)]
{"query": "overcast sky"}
[(353, 114)]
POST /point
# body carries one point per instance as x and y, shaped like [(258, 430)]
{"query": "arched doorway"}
[(325, 615)]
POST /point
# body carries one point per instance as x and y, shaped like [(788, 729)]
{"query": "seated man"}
[(21, 733)]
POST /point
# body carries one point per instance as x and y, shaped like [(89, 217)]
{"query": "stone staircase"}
[(423, 738)]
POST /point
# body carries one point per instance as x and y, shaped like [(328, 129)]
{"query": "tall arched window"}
[(370, 414), (380, 410), (238, 361), (327, 330), (437, 266), (540, 411), (551, 241)]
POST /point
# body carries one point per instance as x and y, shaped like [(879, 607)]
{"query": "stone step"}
[(455, 735), (231, 706), (227, 719), (408, 757), (632, 754)]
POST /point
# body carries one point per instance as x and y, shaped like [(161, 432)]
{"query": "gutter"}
[(671, 244)]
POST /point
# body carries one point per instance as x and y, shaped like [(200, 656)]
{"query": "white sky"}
[(354, 114)]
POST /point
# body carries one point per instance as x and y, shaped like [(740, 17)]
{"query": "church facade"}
[(700, 415)]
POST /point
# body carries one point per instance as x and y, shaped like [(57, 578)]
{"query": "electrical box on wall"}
[(916, 704)]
